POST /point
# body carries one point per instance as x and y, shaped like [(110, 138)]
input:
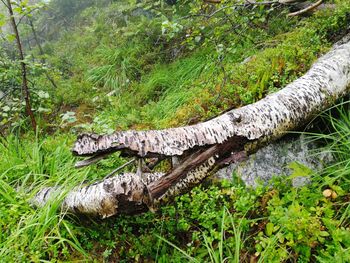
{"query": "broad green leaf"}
[(11, 37), (299, 169), (269, 229), (2, 20)]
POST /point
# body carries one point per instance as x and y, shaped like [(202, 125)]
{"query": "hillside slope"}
[(130, 65)]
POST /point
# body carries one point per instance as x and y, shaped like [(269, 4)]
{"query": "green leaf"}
[(6, 108), (299, 170), (17, 10), (269, 229), (338, 189), (2, 20), (324, 234), (11, 37)]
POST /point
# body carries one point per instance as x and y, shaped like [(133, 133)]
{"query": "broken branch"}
[(307, 9)]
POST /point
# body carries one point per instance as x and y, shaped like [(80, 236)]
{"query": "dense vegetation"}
[(109, 65)]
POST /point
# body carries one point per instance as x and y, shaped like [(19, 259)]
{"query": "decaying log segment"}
[(125, 193), (205, 146)]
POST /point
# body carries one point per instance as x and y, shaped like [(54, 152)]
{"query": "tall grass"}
[(339, 141), (338, 144), (118, 66), (160, 93), (170, 87), (336, 140), (27, 233)]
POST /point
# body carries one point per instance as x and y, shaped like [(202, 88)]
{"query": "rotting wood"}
[(205, 146)]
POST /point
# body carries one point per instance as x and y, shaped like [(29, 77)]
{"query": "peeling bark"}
[(204, 147), (125, 193)]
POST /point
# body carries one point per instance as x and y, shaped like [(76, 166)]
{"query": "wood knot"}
[(236, 117)]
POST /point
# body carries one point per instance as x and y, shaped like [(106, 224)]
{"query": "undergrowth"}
[(231, 71), (223, 222)]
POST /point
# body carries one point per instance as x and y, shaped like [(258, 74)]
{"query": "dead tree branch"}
[(307, 9)]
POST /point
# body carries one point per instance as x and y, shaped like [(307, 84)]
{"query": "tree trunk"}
[(43, 61), (25, 88), (204, 147)]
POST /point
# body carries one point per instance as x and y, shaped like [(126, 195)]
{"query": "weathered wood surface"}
[(205, 146), (125, 193)]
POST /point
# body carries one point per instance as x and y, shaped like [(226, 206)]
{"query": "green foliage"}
[(244, 72), (12, 105), (151, 65), (25, 168), (212, 223)]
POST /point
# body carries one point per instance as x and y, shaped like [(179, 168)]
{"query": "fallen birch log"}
[(204, 147)]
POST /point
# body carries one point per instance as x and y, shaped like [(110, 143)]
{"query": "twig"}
[(305, 10), (263, 3), (26, 14), (213, 1), (246, 4), (4, 3), (89, 161), (119, 168)]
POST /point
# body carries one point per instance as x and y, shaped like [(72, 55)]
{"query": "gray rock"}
[(274, 159)]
